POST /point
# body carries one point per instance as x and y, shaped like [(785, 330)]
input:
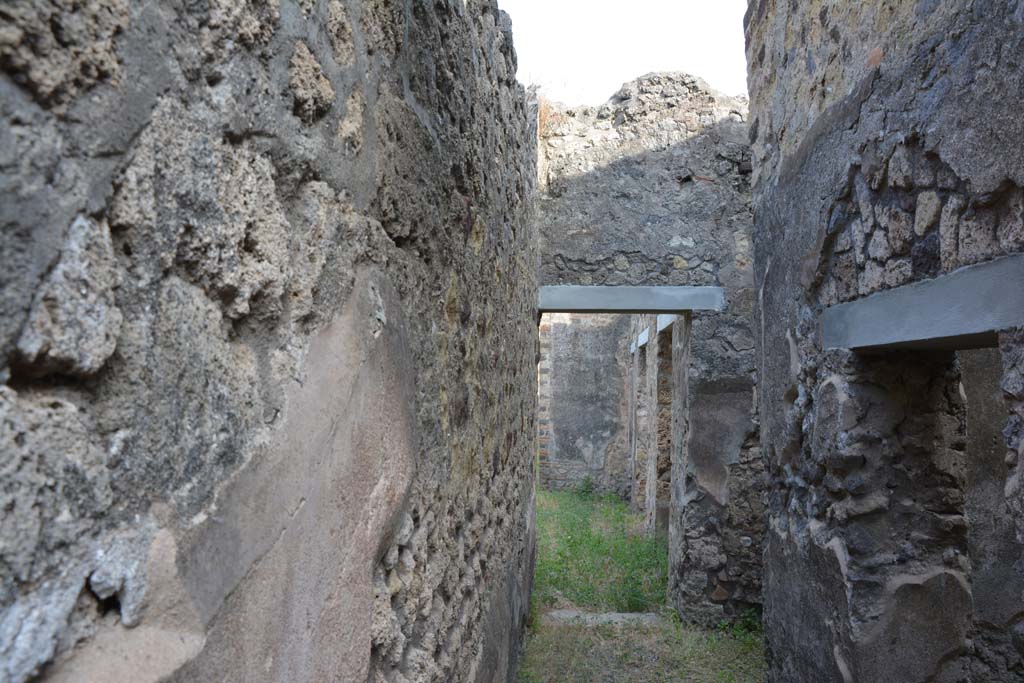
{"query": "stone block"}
[(929, 209), (74, 322)]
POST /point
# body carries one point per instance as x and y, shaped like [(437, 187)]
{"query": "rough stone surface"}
[(997, 558), (74, 323), (59, 48), (652, 188), (649, 189), (1011, 344), (582, 426), (267, 342), (699, 468), (880, 159)]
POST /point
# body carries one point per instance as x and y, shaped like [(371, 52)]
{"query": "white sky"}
[(581, 51)]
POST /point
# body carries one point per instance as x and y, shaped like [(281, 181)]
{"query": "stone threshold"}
[(575, 617)]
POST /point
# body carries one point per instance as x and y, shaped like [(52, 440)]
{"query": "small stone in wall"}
[(926, 256), (340, 30), (864, 205), (350, 130), (948, 226), (879, 248), (900, 225), (74, 323), (859, 237), (900, 170), (977, 237), (929, 208), (58, 50), (872, 278), (898, 272), (844, 243), (843, 280), (311, 90), (1011, 225)]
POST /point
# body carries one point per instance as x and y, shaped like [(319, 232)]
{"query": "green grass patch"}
[(593, 553), (668, 653)]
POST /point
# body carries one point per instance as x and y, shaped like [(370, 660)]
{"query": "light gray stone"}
[(74, 322), (629, 299), (929, 209)]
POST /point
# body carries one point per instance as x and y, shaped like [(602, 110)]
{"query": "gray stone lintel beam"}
[(964, 309), (609, 299)]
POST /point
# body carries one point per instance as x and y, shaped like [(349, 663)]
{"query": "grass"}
[(594, 555), (668, 653)]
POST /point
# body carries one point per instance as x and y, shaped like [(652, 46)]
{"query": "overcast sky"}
[(581, 51)]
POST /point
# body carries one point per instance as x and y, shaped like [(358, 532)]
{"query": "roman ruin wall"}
[(652, 188), (267, 341), (581, 426), (880, 136)]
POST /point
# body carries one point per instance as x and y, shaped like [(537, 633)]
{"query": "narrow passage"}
[(594, 558)]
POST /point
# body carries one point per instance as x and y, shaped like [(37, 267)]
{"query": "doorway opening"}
[(608, 430)]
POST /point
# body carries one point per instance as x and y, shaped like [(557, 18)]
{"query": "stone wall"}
[(659, 466), (653, 395), (652, 188), (267, 341), (582, 380), (881, 136), (641, 413), (997, 559), (699, 473)]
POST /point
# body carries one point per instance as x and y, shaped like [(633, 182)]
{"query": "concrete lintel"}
[(964, 309), (601, 299)]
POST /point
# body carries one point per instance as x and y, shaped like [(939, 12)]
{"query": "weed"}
[(586, 487), (547, 117), (591, 554), (747, 626), (639, 654)]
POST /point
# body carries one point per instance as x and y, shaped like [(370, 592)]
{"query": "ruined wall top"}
[(649, 188), (652, 188), (655, 110)]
